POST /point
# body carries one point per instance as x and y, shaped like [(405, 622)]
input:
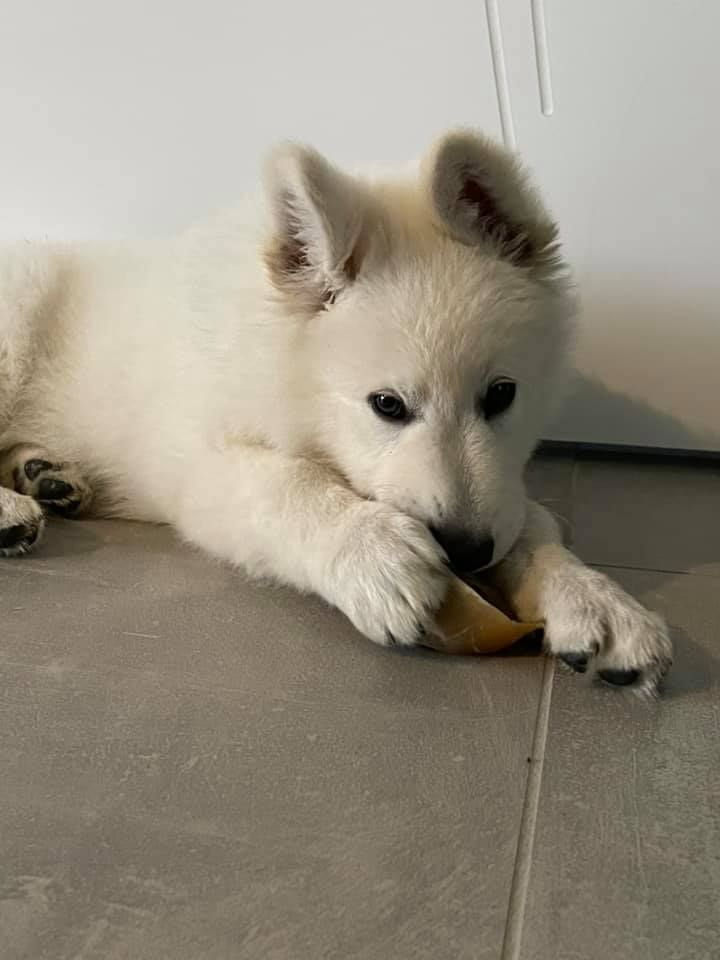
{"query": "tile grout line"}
[(512, 940), (574, 478)]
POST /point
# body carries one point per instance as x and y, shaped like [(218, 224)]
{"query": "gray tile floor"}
[(194, 767)]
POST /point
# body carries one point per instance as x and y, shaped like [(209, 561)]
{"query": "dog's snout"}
[(466, 552)]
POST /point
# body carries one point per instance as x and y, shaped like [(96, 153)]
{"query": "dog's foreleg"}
[(589, 619), (296, 520)]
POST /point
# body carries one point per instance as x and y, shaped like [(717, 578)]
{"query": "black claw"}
[(578, 661), (391, 641), (51, 489), (12, 536), (619, 678), (33, 468)]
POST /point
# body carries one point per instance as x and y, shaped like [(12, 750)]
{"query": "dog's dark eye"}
[(388, 406), (499, 398)]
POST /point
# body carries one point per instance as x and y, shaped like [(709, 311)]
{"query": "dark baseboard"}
[(612, 451)]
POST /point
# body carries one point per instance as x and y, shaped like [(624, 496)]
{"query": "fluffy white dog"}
[(341, 393)]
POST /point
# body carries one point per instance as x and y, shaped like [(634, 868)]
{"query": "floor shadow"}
[(639, 422), (694, 669)]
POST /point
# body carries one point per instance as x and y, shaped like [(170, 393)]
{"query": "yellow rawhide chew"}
[(468, 624)]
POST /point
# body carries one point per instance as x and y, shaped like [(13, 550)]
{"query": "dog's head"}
[(432, 331)]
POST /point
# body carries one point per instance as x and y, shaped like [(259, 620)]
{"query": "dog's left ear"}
[(318, 214), (481, 195)]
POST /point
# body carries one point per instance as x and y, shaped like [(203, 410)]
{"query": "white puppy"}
[(341, 393)]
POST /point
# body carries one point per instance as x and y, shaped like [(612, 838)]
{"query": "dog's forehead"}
[(453, 306), (432, 322), (447, 280)]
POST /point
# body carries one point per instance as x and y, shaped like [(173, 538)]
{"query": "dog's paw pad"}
[(33, 468), (52, 489), (12, 536)]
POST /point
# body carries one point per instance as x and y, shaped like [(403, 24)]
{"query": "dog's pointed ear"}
[(317, 217), (481, 195)]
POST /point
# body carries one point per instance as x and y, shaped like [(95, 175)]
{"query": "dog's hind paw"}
[(21, 524), (59, 487)]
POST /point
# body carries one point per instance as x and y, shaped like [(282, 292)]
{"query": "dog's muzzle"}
[(467, 553)]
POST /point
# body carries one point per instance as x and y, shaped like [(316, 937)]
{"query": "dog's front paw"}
[(590, 621), (389, 575)]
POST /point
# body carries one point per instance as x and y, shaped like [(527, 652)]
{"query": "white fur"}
[(218, 382)]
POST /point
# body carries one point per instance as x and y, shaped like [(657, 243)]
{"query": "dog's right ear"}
[(481, 195), (317, 216)]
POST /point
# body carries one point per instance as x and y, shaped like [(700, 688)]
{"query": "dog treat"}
[(468, 624)]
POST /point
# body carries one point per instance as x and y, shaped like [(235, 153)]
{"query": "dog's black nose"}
[(466, 553)]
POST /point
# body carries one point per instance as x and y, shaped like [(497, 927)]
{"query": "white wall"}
[(629, 161), (140, 115), (137, 116)]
